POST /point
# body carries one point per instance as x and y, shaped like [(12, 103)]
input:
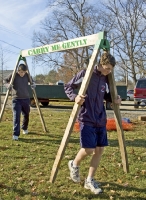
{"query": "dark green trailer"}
[(47, 93), (122, 91)]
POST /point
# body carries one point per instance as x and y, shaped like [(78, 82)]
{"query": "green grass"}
[(25, 165)]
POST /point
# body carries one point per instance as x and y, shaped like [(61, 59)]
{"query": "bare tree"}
[(126, 22), (69, 19), (3, 61)]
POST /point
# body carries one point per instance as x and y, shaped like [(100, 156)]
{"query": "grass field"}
[(25, 165)]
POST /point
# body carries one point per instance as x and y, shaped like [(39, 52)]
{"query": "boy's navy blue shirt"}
[(20, 86), (92, 111)]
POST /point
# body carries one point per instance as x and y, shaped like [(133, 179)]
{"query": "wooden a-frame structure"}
[(99, 41)]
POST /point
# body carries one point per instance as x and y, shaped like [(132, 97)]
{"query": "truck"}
[(47, 93), (140, 93)]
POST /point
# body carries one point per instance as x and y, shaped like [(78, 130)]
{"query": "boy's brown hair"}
[(107, 58), (22, 67)]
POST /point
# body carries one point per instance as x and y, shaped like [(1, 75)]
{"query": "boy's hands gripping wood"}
[(118, 100), (80, 99)]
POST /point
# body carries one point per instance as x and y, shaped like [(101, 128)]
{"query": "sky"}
[(18, 20)]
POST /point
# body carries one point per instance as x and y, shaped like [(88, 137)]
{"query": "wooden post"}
[(8, 91), (118, 119), (35, 97), (75, 110)]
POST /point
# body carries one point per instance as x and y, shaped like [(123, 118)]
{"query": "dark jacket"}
[(92, 111), (20, 86)]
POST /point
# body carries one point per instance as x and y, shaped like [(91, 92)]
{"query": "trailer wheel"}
[(32, 103), (136, 105), (109, 106), (45, 103)]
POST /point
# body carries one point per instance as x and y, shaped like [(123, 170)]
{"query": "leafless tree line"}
[(124, 21)]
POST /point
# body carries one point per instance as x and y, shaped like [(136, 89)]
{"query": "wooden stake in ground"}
[(35, 98), (118, 120), (75, 110), (8, 91)]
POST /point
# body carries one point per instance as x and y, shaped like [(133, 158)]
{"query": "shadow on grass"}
[(130, 143), (3, 148), (104, 195), (115, 195), (22, 193), (50, 135), (52, 138), (46, 142)]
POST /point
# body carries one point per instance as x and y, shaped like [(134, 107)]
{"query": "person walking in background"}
[(20, 99), (92, 118)]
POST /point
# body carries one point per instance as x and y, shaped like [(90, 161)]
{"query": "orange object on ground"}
[(76, 127), (111, 125)]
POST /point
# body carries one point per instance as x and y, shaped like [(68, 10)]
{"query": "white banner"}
[(60, 46)]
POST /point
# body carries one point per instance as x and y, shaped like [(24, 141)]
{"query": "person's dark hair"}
[(22, 67), (107, 58)]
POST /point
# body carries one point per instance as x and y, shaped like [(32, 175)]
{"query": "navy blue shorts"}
[(92, 137)]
